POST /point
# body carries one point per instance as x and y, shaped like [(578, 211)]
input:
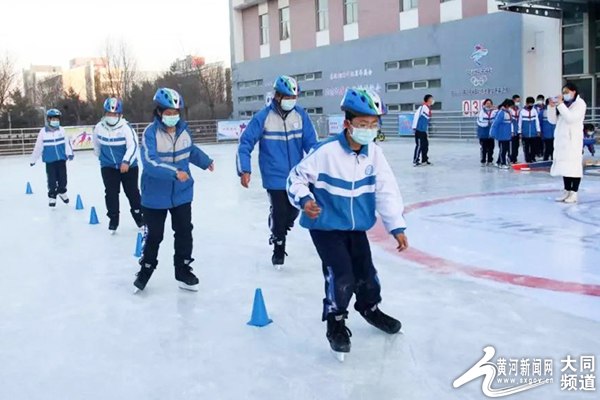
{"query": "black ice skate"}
[(113, 224), (279, 253), (64, 198), (381, 321), (187, 280), (143, 276), (138, 218), (51, 202), (338, 335)]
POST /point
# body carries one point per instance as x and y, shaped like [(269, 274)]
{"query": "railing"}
[(22, 141), (444, 124)]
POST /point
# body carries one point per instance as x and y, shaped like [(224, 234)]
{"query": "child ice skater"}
[(503, 131), (547, 134), (529, 129), (589, 139), (484, 125), (339, 186), (55, 149), (167, 187), (116, 145)]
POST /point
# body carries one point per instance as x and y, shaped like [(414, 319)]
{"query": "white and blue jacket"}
[(283, 143), (503, 128), (115, 145), (484, 123), (421, 118), (547, 126), (529, 123), (514, 113), (162, 156), (52, 145), (348, 186)]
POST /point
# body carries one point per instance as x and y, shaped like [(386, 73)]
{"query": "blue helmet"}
[(113, 105), (53, 113), (287, 86), (168, 98), (363, 102)]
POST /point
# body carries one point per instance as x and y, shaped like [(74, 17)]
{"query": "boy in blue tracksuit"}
[(484, 125), (116, 145), (339, 186), (55, 149), (420, 127), (515, 142), (167, 187), (285, 133), (529, 129), (503, 131), (547, 134), (539, 140)]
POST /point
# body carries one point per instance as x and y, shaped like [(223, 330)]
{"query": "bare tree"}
[(120, 69), (49, 91), (213, 85), (8, 78)]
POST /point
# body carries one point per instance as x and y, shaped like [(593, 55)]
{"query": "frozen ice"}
[(507, 271)]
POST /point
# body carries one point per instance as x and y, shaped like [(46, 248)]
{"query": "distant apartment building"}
[(457, 50), (35, 76)]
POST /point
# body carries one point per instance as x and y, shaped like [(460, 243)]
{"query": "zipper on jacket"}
[(352, 194), (287, 144), (56, 146), (174, 140)]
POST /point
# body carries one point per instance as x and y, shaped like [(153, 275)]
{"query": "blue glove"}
[(70, 158)]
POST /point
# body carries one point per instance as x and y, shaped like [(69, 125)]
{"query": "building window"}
[(309, 76), (573, 44), (311, 93), (250, 84), (420, 85), (247, 114), (264, 28), (408, 107), (315, 111), (435, 83), (393, 107), (409, 4), (412, 63), (322, 15), (350, 12), (284, 23), (392, 87), (250, 99), (597, 69), (406, 86), (391, 65)]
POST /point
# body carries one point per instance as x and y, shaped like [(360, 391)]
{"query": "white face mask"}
[(432, 102), (111, 121), (568, 97), (363, 136), (288, 104)]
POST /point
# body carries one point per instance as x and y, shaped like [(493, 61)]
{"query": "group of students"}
[(339, 184), (510, 124)]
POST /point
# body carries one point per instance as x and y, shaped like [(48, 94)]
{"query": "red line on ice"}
[(441, 265)]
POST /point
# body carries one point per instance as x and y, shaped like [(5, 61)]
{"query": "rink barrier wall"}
[(444, 125)]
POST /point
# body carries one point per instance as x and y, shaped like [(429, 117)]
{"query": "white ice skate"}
[(572, 198), (51, 202), (341, 357), (563, 197)]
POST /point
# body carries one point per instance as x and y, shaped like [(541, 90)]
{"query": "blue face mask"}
[(363, 136), (55, 124), (170, 120)]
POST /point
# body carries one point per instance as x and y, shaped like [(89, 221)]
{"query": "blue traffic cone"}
[(28, 190), (259, 311), (138, 246), (79, 204), (93, 217)]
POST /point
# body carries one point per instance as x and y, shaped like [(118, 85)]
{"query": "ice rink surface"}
[(494, 262)]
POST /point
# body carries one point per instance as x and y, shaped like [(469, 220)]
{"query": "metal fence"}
[(444, 125)]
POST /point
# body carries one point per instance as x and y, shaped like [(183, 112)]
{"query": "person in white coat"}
[(568, 115)]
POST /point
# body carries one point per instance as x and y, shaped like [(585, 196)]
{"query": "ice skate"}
[(64, 198), (279, 253), (113, 224), (143, 276), (381, 321), (339, 336), (51, 202), (563, 197), (571, 198), (187, 280)]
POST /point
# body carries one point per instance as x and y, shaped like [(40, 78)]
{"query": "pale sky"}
[(53, 32)]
